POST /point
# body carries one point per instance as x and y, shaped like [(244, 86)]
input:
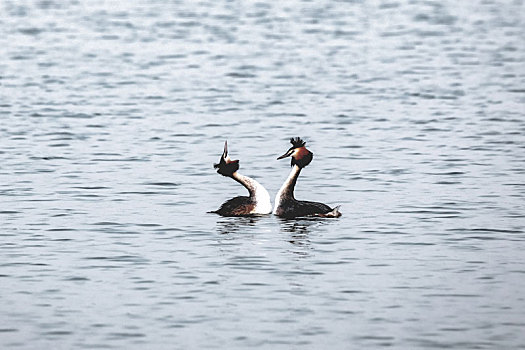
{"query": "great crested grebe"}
[(285, 204), (258, 203)]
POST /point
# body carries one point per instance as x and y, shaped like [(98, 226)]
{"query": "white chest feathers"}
[(263, 205), (258, 194)]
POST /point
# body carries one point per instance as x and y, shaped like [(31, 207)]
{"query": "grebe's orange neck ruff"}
[(300, 153), (302, 157)]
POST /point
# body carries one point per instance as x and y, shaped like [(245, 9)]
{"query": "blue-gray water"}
[(112, 114)]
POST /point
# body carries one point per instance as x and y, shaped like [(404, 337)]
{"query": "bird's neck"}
[(255, 189), (288, 186)]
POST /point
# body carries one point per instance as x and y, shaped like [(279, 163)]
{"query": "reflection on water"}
[(295, 226), (298, 234), (111, 119), (234, 225), (299, 230)]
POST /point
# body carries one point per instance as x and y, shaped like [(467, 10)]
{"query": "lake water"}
[(113, 113)]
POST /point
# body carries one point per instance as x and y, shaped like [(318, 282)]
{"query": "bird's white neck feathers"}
[(258, 193), (287, 188)]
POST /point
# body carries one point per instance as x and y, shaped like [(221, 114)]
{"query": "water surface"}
[(113, 114)]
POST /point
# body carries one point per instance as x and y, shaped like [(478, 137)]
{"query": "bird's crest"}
[(297, 142)]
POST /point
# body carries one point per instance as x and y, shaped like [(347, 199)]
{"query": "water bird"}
[(258, 203), (285, 203)]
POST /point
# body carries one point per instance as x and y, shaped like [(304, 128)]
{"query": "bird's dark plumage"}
[(291, 208), (237, 206)]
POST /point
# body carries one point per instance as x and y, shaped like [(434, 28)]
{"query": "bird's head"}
[(301, 156), (226, 166)]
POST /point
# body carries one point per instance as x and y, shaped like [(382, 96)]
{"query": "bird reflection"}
[(229, 225), (302, 226), (299, 231)]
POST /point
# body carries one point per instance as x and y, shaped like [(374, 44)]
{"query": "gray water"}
[(113, 113)]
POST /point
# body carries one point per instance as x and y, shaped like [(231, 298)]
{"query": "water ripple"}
[(112, 118)]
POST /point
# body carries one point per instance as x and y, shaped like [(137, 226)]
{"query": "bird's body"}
[(286, 205), (295, 208)]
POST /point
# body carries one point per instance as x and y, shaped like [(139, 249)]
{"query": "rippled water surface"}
[(112, 114)]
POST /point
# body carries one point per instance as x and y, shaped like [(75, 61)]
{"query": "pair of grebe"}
[(258, 203)]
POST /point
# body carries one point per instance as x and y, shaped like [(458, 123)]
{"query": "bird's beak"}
[(225, 153), (224, 158), (287, 154)]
